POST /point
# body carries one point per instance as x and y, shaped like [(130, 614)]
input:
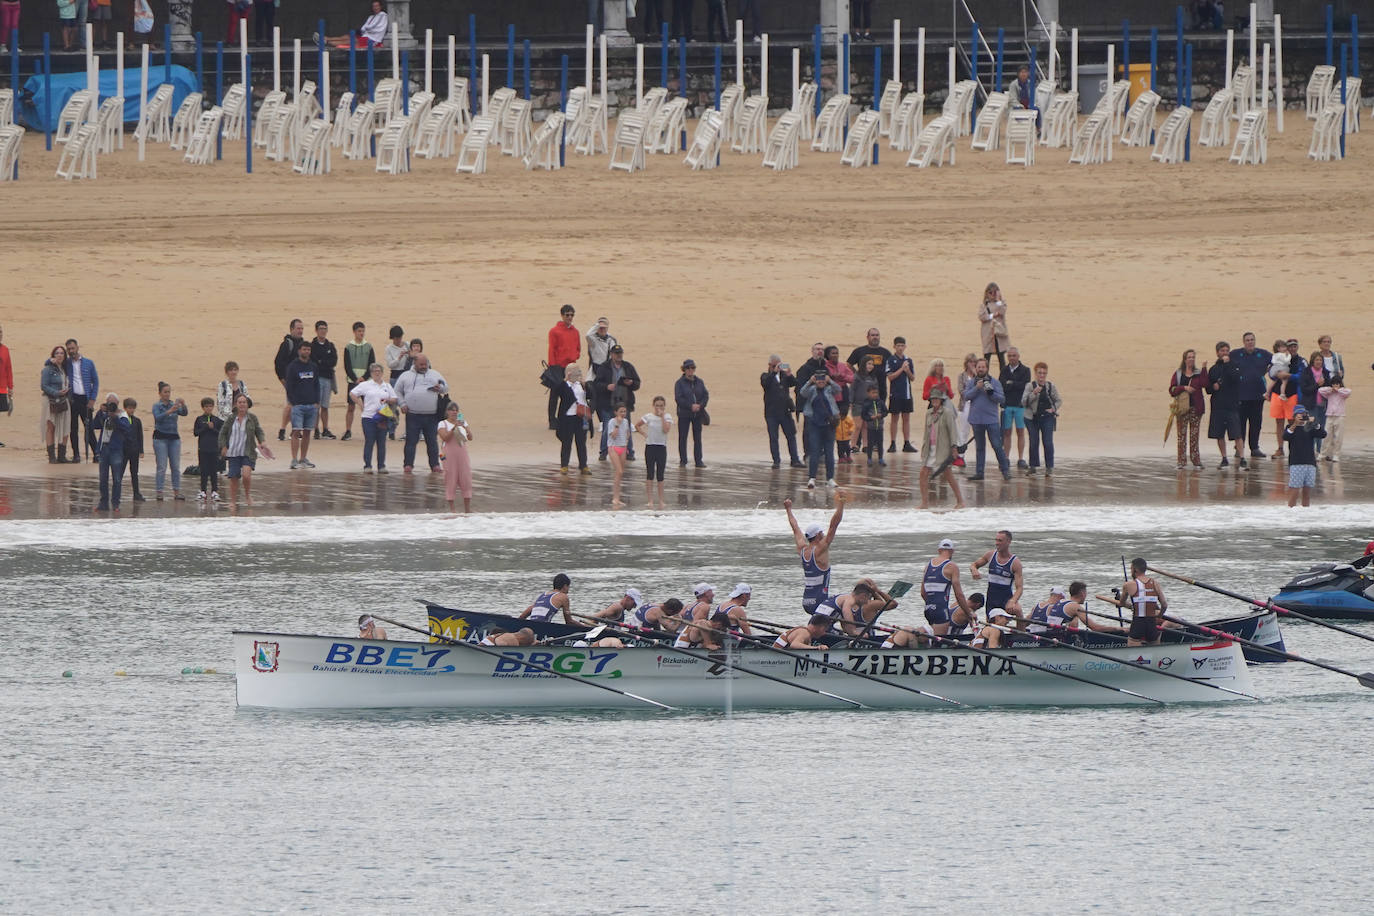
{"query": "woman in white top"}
[(572, 419), (372, 33), (371, 395), (454, 436), (230, 387), (655, 428)]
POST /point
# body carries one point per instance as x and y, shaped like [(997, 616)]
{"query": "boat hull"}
[(292, 671), (1257, 628)]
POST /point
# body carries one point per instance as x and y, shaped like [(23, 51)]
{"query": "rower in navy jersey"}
[(1049, 612), (696, 612), (549, 604), (1005, 578), (813, 546), (650, 616), (805, 636), (940, 580), (1075, 611), (855, 612), (733, 607), (616, 610), (1145, 598), (919, 637)]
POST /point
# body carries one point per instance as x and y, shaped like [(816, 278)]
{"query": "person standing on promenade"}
[(565, 348), (1253, 363), (229, 388), (110, 433), (572, 411), (167, 439), (614, 383), (900, 374), (52, 418), (984, 395), (992, 319), (939, 450), (1302, 436), (822, 411), (84, 384), (1042, 403), (1186, 387), (655, 427), (455, 433), (371, 396), (1015, 376), (6, 377), (1223, 383), (1335, 393), (133, 447), (326, 357), (286, 353), (777, 382), (418, 391), (302, 394), (813, 547), (690, 394), (357, 362), (240, 440)]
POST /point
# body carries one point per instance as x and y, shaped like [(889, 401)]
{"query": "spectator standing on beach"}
[(1186, 386), (992, 318), (984, 396), (900, 373), (1015, 376), (599, 343), (808, 371), (84, 385), (1335, 394), (206, 431), (133, 447), (229, 388), (1285, 383), (690, 395), (1042, 402), (572, 412), (1223, 383), (614, 383), (240, 440), (167, 439), (418, 391), (867, 362), (965, 430), (111, 432), (286, 353), (939, 447), (871, 414), (52, 416), (6, 379), (357, 361), (455, 433), (822, 411), (655, 427), (1302, 435), (371, 396), (303, 396), (1253, 363), (565, 348), (1330, 358), (841, 378), (777, 383), (936, 378), (326, 358), (397, 353)]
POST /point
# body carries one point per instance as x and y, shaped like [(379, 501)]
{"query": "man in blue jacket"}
[(1253, 363), (84, 383), (110, 430), (984, 395)]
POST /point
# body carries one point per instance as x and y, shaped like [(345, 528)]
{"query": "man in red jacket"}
[(6, 379), (565, 346)]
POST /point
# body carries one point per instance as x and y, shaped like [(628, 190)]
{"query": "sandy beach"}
[(164, 271)]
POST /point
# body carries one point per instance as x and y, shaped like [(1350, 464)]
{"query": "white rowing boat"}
[(292, 671)]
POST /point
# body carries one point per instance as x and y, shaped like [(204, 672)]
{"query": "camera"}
[(987, 385), (111, 408), (785, 366)]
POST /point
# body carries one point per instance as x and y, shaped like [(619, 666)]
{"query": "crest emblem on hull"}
[(265, 656)]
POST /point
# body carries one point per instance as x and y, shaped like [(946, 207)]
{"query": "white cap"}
[(946, 544), (812, 531), (1059, 590), (702, 588), (634, 595), (740, 589)]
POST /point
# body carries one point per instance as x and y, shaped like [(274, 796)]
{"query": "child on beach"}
[(1335, 393), (206, 431), (655, 428), (133, 447), (617, 441), (844, 431), (872, 413)]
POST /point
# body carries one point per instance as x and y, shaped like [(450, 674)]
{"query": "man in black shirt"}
[(326, 357), (1015, 376), (285, 354), (867, 362), (777, 383), (1223, 383)]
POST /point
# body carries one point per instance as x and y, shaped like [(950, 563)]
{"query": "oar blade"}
[(1367, 680)]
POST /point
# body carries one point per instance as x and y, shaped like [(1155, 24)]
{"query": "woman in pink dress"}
[(454, 435)]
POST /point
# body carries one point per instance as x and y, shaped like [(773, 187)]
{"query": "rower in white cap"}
[(1050, 611), (733, 608), (813, 545), (617, 609), (698, 612), (941, 578), (368, 629)]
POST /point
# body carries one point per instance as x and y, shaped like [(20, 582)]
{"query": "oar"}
[(764, 644), (1366, 679), (537, 666), (1267, 605), (768, 677)]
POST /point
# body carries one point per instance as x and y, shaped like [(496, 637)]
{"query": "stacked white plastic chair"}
[(280, 132), (357, 143), (1061, 121), (233, 106), (959, 105), (575, 117), (11, 142), (667, 126), (1216, 120), (627, 150), (831, 124), (266, 116), (393, 146), (1319, 88), (1171, 135), (386, 103), (543, 151), (863, 137), (200, 149), (1093, 142), (307, 105), (781, 152), (1242, 83), (888, 104), (6, 107), (595, 139), (497, 104), (730, 100), (110, 124), (435, 138), (751, 132), (186, 119), (1140, 120), (79, 154), (338, 130), (517, 128), (1021, 140), (908, 121), (992, 119), (314, 150), (1252, 139), (420, 105), (1353, 86), (653, 100), (472, 155), (79, 108), (935, 141), (804, 105), (1118, 97), (706, 141), (1326, 135), (458, 95)]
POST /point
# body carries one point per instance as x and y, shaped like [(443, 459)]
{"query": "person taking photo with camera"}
[(1302, 435)]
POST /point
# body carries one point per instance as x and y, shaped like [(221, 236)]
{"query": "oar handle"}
[(1156, 569)]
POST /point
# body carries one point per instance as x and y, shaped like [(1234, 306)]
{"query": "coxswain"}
[(499, 637), (941, 578), (1145, 598), (813, 546), (1049, 612), (368, 629), (655, 616), (805, 636), (1005, 578), (551, 603), (616, 610), (856, 611), (733, 607)]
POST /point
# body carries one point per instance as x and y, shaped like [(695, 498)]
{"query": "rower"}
[(856, 611), (1000, 620), (704, 633), (700, 609), (805, 636), (499, 637), (1076, 610), (1005, 578), (616, 610), (941, 577), (550, 603), (813, 546), (654, 616), (1145, 598), (368, 629), (733, 608), (920, 636), (1049, 612)]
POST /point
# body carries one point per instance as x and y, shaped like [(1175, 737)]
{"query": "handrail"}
[(958, 46)]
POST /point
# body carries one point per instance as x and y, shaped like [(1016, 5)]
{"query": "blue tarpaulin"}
[(33, 109)]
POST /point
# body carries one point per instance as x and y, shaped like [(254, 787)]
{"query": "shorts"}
[(303, 415), (1302, 475), (236, 466), (936, 615), (326, 391), (102, 14), (1281, 408), (655, 460), (1013, 418), (1145, 629), (900, 405), (1224, 424), (619, 450)]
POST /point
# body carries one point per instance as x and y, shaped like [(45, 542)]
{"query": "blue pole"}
[(167, 53), (200, 63), (1345, 72), (510, 56), (371, 72), (815, 71), (663, 56), (563, 107), (248, 116), (973, 64), (1126, 46), (877, 81), (1186, 98), (1154, 58), (405, 83), (1001, 48), (717, 77), (527, 68), (219, 97), (47, 81), (353, 63), (472, 62), (1330, 34)]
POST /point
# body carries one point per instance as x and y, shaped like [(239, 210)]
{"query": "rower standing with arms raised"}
[(940, 580), (1005, 579), (1145, 598), (548, 604), (813, 546)]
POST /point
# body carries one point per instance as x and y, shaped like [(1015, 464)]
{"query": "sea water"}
[(151, 792)]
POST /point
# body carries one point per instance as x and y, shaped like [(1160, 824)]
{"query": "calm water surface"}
[(151, 792)]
